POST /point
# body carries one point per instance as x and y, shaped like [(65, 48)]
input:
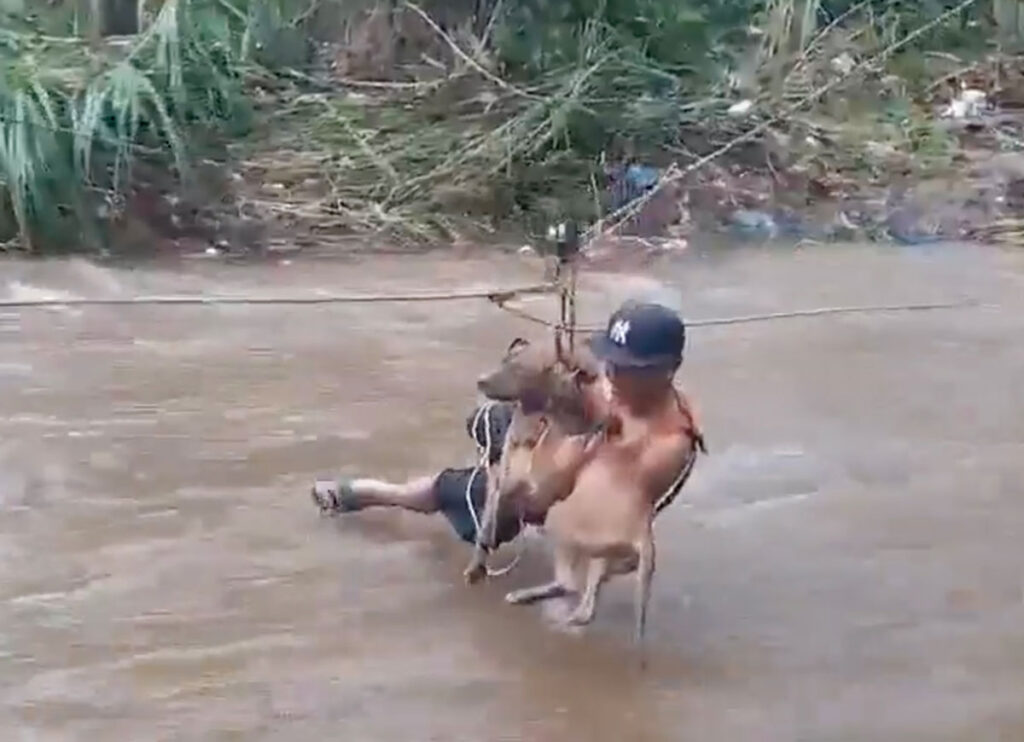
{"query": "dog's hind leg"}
[(566, 581), (597, 571)]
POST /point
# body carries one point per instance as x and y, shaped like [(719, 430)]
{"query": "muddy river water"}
[(846, 564)]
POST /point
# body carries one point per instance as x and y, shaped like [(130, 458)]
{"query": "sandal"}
[(334, 497)]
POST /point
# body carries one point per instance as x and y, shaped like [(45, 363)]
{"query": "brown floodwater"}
[(846, 564)]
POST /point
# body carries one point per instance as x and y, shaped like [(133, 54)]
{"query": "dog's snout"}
[(493, 386), (499, 385)]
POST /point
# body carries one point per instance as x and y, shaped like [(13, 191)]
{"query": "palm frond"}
[(73, 119)]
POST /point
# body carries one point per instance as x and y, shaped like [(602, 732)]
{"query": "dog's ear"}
[(517, 343)]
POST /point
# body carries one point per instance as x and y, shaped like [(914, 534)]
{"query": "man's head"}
[(641, 347)]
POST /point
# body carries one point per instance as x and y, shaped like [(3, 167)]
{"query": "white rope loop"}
[(484, 413)]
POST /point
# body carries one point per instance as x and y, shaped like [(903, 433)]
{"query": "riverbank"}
[(251, 129), (923, 173)]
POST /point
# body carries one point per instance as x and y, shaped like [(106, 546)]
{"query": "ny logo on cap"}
[(619, 331)]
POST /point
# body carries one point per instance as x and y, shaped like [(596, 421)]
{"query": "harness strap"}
[(687, 468), (677, 484)]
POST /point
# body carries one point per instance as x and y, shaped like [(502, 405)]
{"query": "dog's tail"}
[(644, 577)]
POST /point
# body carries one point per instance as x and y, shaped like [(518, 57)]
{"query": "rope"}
[(484, 452), (484, 413), (498, 296), (573, 274), (669, 496), (676, 487), (743, 319)]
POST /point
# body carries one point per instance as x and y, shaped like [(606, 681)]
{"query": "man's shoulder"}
[(682, 420)]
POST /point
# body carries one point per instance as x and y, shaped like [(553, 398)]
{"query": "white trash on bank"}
[(741, 108), (971, 103), (843, 64)]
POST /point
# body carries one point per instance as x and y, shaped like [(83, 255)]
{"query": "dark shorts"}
[(450, 487)]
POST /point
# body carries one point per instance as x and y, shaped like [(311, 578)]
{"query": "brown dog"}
[(545, 436), (596, 495)]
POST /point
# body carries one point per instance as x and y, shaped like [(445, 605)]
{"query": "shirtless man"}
[(641, 350), (621, 480)]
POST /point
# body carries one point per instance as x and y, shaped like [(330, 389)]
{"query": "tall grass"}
[(589, 81), (536, 96), (75, 117)]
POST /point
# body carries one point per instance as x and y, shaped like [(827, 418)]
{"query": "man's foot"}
[(334, 497)]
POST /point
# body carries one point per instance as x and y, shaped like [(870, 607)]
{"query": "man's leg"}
[(418, 495), (450, 493)]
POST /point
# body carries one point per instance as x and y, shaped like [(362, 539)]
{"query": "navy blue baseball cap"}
[(642, 335)]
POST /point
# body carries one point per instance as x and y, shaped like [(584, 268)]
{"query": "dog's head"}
[(534, 375), (524, 375)]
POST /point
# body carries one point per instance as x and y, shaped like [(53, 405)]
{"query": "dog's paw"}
[(547, 591), (579, 618), (517, 598)]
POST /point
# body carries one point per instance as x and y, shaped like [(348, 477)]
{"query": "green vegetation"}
[(420, 121)]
